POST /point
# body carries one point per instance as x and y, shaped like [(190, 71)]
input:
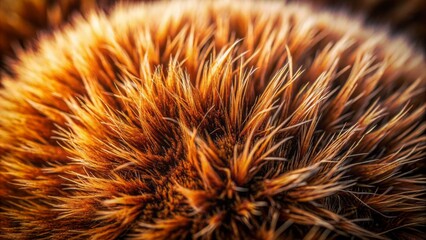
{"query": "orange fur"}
[(214, 120)]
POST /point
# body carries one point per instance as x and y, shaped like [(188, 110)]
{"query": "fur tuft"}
[(214, 120)]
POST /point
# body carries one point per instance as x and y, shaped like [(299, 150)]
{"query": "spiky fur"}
[(215, 120)]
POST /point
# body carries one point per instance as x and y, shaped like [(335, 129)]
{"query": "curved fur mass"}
[(214, 120)]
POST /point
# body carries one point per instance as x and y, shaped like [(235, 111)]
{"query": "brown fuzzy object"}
[(215, 120), (22, 20)]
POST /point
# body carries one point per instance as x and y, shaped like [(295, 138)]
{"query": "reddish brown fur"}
[(214, 120)]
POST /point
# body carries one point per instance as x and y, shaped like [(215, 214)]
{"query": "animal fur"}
[(22, 20), (214, 120)]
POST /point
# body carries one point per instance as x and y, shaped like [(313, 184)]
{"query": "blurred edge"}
[(21, 20)]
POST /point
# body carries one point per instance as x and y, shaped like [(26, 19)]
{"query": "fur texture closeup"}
[(214, 120)]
